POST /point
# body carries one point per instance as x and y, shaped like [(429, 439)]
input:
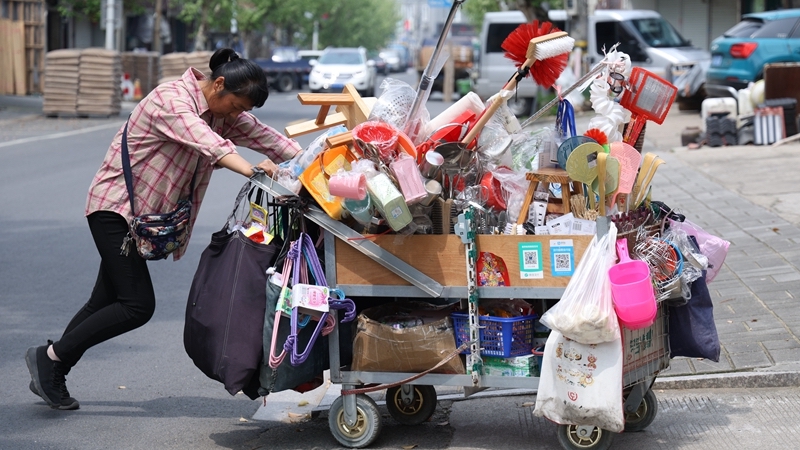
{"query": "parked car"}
[(308, 55), (339, 66), (392, 59), (380, 64), (285, 70), (739, 55)]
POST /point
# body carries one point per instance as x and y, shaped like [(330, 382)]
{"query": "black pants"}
[(122, 298)]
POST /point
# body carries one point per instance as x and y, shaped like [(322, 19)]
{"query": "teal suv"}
[(739, 55)]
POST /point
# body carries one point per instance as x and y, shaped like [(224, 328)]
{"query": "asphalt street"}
[(141, 391)]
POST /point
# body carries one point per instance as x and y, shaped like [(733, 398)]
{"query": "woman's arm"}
[(236, 163), (248, 131)]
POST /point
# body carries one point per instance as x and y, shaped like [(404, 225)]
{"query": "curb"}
[(731, 380)]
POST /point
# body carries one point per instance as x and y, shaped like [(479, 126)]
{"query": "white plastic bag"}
[(585, 312), (581, 384)]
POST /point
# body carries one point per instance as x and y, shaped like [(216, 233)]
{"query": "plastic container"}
[(505, 337), (538, 352), (632, 290)]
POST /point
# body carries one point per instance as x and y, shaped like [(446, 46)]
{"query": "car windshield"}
[(341, 58), (745, 28), (657, 32)]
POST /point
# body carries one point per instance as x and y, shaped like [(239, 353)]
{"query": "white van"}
[(649, 40)]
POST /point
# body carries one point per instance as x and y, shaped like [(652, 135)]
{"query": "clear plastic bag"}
[(585, 312)]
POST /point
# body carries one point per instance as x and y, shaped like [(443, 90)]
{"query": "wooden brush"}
[(543, 51)]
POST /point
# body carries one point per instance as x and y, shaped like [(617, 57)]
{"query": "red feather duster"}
[(544, 72), (597, 134)]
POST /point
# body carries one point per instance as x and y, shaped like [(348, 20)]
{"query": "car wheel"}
[(285, 82)]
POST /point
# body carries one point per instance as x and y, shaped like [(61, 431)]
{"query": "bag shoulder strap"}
[(126, 169)]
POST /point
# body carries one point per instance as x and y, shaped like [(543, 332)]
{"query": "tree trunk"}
[(200, 36)]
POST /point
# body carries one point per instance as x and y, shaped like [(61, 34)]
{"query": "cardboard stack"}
[(172, 66), (199, 60), (143, 66), (99, 75), (61, 82)]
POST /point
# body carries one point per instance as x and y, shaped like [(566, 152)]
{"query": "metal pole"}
[(109, 24), (315, 37), (426, 80)]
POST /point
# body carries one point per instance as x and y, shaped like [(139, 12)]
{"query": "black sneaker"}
[(48, 379)]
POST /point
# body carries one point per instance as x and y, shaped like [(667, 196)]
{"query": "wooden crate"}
[(22, 35), (442, 258)]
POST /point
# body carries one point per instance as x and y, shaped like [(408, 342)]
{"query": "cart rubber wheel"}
[(570, 438), (285, 82), (421, 408), (644, 414), (366, 428)]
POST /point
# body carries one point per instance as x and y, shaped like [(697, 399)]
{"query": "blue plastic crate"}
[(505, 337)]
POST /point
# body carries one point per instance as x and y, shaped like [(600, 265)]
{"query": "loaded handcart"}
[(442, 267), (506, 236)]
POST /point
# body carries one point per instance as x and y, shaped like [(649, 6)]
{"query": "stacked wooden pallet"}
[(99, 75), (173, 65), (142, 66), (61, 82)]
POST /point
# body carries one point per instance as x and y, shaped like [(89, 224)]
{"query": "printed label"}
[(530, 260)]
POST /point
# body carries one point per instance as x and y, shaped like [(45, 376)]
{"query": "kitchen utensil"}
[(629, 160), (610, 177), (651, 171), (582, 165), (648, 97), (646, 163), (568, 146), (602, 158), (632, 290)]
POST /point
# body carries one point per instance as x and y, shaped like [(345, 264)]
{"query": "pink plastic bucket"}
[(632, 290)]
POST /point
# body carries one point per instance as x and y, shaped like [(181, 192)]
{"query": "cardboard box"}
[(519, 366), (381, 347), (441, 257)]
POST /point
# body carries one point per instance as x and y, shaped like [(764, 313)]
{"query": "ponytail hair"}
[(243, 77)]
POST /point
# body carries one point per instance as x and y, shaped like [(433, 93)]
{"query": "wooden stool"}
[(548, 176), (351, 110)]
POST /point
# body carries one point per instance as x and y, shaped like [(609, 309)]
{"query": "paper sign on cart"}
[(530, 260), (562, 257)]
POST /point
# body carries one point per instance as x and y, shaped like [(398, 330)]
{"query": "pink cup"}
[(348, 185)]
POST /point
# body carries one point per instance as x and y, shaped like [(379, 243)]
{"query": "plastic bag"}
[(580, 384), (394, 103), (301, 161), (585, 312), (713, 247)]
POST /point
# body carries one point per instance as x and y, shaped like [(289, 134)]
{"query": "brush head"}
[(544, 43)]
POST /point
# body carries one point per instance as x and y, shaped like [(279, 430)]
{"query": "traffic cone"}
[(137, 90)]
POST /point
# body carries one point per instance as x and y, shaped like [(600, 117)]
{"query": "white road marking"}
[(60, 135)]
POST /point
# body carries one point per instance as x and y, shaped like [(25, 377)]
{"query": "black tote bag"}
[(225, 310), (692, 331)]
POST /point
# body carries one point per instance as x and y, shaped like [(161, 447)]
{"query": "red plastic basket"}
[(504, 337)]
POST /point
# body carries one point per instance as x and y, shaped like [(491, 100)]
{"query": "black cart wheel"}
[(576, 437), (644, 414), (419, 409), (285, 82), (366, 428)]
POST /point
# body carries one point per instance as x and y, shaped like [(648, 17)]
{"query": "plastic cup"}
[(361, 210), (348, 185), (431, 164)]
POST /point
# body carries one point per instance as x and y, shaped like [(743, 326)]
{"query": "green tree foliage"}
[(533, 9)]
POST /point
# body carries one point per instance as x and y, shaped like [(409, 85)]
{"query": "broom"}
[(540, 50)]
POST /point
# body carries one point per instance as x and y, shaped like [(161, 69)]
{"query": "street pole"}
[(157, 28), (109, 24), (315, 36)]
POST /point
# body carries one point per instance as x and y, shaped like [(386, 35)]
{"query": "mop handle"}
[(564, 93), (426, 80)]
